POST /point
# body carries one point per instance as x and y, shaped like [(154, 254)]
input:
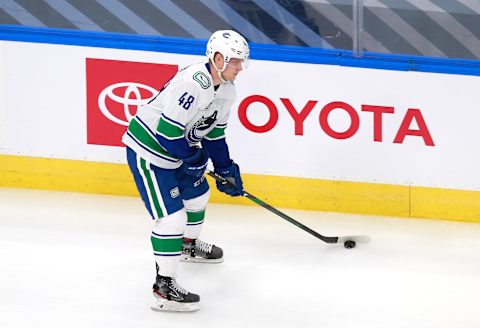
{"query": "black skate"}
[(170, 296), (196, 250)]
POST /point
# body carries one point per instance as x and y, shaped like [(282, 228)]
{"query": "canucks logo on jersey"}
[(201, 125)]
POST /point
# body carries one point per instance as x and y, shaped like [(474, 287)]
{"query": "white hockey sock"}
[(167, 236), (196, 214)]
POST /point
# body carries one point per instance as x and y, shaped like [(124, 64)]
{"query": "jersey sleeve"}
[(215, 142), (178, 109), (218, 132), (218, 152)]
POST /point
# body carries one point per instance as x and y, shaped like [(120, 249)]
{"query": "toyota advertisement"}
[(290, 119)]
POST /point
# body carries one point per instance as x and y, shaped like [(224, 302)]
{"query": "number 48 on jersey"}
[(186, 102)]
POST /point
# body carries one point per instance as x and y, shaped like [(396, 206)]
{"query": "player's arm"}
[(171, 129), (216, 145)]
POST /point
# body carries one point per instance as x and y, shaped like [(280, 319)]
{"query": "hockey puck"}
[(349, 244)]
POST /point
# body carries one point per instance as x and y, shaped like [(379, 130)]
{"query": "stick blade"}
[(357, 239)]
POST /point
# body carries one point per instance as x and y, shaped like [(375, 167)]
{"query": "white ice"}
[(76, 260)]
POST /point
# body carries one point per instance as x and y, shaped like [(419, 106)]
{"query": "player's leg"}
[(167, 246), (160, 193), (195, 193)]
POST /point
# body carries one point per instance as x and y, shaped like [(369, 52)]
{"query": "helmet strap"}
[(219, 71)]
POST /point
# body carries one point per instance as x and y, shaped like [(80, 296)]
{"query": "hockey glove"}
[(232, 174), (196, 164)]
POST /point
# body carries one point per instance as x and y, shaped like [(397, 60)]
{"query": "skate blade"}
[(187, 258), (172, 306)]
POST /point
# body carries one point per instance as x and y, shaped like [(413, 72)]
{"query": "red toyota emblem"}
[(115, 89)]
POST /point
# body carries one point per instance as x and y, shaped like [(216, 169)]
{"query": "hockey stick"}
[(330, 240)]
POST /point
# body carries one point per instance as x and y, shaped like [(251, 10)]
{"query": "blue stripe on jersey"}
[(178, 147), (173, 121), (150, 151)]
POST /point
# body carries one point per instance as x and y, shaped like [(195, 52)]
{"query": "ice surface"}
[(76, 260)]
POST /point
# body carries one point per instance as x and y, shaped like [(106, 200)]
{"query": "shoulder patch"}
[(202, 79)]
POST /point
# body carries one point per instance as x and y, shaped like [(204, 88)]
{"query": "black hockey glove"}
[(196, 164), (232, 174)]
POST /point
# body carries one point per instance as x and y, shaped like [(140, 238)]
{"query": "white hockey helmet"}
[(231, 45)]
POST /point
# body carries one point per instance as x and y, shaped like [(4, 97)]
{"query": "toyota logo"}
[(125, 100)]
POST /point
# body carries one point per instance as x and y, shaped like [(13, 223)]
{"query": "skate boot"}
[(196, 250), (170, 296)]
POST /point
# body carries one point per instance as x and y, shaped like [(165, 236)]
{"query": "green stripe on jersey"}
[(168, 130), (216, 133), (195, 216), (142, 135), (170, 245), (150, 185)]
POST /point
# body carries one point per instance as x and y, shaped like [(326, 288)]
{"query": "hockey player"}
[(169, 142)]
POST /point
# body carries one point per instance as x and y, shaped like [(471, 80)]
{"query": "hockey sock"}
[(167, 239), (196, 214), (194, 224)]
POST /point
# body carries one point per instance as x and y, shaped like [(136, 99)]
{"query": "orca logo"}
[(201, 125), (130, 105)]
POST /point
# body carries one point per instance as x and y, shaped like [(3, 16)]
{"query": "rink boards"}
[(310, 136)]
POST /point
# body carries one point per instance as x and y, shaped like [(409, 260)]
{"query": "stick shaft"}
[(330, 240), (290, 219)]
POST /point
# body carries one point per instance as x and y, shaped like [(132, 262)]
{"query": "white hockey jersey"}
[(187, 107)]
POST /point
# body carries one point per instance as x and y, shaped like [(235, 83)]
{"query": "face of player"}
[(234, 67)]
